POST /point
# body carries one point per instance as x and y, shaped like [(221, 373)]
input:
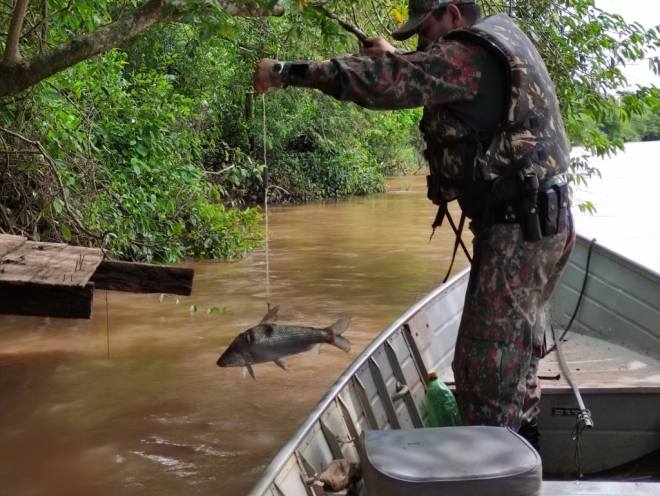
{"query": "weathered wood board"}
[(57, 280), (143, 278), (50, 264), (9, 243), (36, 300), (46, 279)]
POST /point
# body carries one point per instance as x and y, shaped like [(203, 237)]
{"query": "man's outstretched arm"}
[(446, 72)]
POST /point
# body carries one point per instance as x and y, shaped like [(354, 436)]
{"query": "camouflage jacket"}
[(531, 134)]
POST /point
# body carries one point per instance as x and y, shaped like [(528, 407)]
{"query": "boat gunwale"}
[(288, 450), (615, 257)]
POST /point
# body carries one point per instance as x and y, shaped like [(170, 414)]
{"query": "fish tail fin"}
[(337, 329), (340, 326), (342, 343)]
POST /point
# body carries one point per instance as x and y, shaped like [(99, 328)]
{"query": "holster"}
[(531, 222), (541, 210), (553, 206)]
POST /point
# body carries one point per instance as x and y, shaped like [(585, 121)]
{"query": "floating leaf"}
[(193, 309), (162, 297), (222, 310)]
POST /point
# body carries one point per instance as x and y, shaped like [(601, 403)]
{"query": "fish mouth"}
[(230, 359), (223, 361)]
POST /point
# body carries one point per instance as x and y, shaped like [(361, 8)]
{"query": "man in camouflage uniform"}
[(495, 142)]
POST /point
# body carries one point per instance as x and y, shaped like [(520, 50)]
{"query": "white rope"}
[(263, 102)]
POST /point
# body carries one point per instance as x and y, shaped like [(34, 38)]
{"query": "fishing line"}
[(107, 323), (263, 104)]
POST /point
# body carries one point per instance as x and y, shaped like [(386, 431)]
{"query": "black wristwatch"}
[(276, 74)]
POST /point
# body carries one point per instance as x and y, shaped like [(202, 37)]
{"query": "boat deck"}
[(599, 488), (600, 367)]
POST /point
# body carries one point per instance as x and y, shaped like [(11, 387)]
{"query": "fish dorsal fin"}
[(270, 317)]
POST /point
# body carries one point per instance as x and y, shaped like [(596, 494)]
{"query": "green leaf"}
[(193, 309), (161, 298), (141, 150), (58, 205), (66, 233)]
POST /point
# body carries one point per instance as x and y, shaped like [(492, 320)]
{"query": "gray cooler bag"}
[(449, 461)]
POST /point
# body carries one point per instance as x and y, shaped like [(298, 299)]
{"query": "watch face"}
[(277, 68)]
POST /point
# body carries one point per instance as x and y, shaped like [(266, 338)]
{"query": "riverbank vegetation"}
[(145, 137)]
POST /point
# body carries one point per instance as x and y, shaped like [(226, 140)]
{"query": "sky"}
[(647, 13)]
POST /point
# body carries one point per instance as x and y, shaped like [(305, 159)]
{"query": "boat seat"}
[(449, 461)]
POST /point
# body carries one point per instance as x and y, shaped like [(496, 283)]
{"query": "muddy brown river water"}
[(159, 417)]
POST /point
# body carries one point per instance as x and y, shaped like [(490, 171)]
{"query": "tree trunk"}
[(19, 74)]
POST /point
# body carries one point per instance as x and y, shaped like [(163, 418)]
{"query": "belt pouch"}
[(549, 210)]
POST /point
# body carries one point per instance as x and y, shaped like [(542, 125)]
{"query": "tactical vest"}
[(530, 138)]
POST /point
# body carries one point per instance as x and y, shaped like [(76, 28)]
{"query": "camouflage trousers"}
[(502, 332)]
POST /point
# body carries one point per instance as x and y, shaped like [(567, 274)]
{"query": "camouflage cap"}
[(418, 12)]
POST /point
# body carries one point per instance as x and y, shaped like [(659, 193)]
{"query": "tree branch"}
[(23, 74), (58, 177), (12, 53), (47, 18), (18, 152), (358, 33), (244, 9)]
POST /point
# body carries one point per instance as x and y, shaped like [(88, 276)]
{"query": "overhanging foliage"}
[(156, 147)]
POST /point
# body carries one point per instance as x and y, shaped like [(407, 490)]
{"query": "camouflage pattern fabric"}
[(534, 120), (501, 335), (532, 133), (445, 72)]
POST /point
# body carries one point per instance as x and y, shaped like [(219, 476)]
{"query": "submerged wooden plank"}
[(38, 300), (143, 278), (9, 243)]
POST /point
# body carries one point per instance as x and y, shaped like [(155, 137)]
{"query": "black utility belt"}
[(541, 212)]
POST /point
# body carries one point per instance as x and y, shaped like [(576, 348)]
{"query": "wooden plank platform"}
[(57, 280), (9, 243), (46, 279), (50, 264)]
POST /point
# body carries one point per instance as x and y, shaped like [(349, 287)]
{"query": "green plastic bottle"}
[(440, 404)]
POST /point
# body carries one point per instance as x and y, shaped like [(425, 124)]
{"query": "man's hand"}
[(262, 81), (376, 46)]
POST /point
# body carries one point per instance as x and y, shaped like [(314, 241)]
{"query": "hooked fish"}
[(269, 342)]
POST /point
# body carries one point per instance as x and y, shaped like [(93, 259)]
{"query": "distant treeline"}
[(638, 128)]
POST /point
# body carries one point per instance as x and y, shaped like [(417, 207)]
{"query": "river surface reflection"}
[(159, 417)]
